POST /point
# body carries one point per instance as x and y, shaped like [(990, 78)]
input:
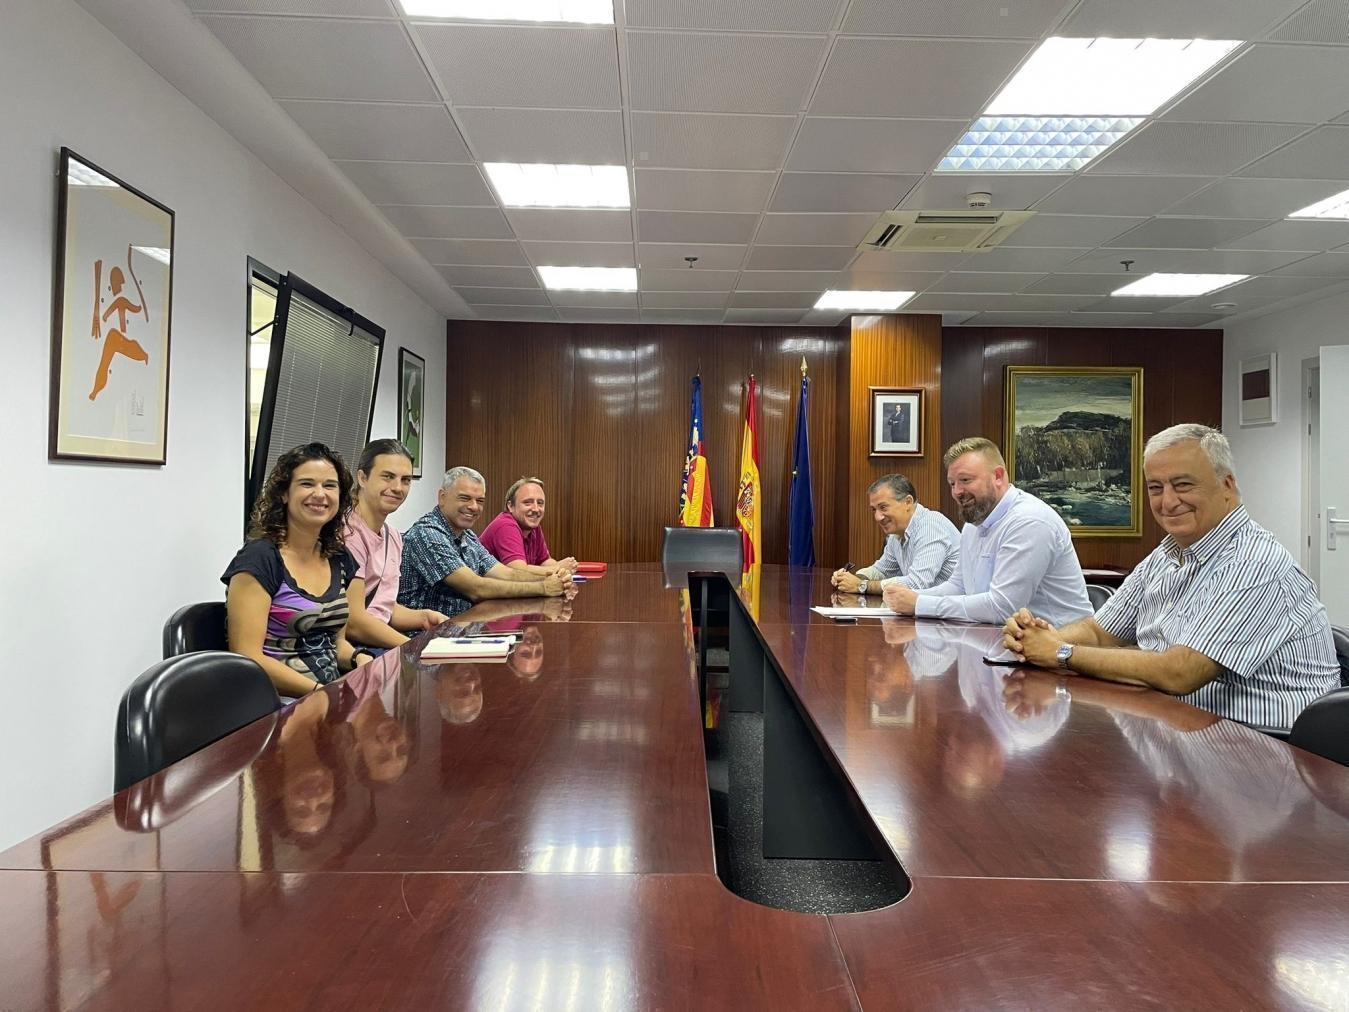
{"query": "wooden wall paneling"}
[(503, 419), (898, 351), (842, 445)]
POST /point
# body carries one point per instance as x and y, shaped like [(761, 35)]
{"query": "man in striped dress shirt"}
[(922, 547), (1221, 613)]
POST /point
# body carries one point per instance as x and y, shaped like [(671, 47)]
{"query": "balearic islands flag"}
[(800, 504), (695, 495), (748, 506)]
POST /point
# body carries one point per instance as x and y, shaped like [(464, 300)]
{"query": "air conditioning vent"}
[(943, 231)]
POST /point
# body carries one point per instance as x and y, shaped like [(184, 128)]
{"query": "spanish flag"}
[(748, 494), (695, 495)]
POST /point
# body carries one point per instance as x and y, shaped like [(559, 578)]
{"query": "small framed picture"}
[(412, 405), (896, 422), (1259, 391)]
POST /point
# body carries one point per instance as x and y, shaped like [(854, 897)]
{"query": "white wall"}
[(1269, 457), (96, 557)]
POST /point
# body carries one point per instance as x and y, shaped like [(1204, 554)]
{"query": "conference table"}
[(537, 834)]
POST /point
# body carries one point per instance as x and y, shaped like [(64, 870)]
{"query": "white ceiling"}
[(765, 136)]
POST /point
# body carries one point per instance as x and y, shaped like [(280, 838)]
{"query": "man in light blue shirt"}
[(1015, 551), (922, 547)]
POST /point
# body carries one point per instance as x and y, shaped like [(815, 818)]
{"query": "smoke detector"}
[(979, 198), (956, 231)]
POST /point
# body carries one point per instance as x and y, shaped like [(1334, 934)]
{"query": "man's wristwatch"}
[(862, 587), (1064, 655)]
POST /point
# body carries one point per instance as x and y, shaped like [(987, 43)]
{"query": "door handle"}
[(1332, 522)]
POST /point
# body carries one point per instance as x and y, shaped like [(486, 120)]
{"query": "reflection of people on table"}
[(305, 778), (1219, 613), (1015, 551), (922, 547), (115, 341), (526, 660), (459, 693), (381, 741)]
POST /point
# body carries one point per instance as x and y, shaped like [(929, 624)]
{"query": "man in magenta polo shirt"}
[(515, 535)]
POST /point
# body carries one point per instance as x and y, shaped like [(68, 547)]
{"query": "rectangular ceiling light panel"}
[(589, 279), (542, 185), (1075, 98), (581, 12), (1332, 207), (1180, 284), (863, 302)]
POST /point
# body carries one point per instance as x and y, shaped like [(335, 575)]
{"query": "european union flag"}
[(800, 503)]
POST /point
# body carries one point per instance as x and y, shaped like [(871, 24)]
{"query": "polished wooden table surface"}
[(536, 835)]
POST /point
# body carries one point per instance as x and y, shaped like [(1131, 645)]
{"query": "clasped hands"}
[(1032, 639)]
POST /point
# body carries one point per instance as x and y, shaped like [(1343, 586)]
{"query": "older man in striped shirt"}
[(921, 549), (1221, 613)]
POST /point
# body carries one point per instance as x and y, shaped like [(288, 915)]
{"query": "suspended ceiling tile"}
[(430, 221), (710, 141), (884, 261), (984, 281), (308, 8), (763, 316), (1028, 19), (525, 65), (381, 130), (693, 227), (491, 277), (495, 252), (1008, 191), (1256, 198), (1201, 149), (1319, 21), (594, 300), (800, 258), (682, 316), (1022, 261), (570, 225), (419, 183), (1133, 304), (1180, 261), (1186, 233), (658, 280), (936, 301), (598, 315), (1325, 265), (694, 190), (1310, 236), (1280, 287), (870, 281), (913, 77), (740, 16), (557, 136), (670, 256), (814, 229), (675, 71), (685, 300), (1272, 84), (785, 281), (833, 144), (580, 254), (1163, 19), (1321, 154), (1081, 284), (1122, 195), (774, 300), (477, 296), (524, 314), (294, 58), (1070, 230), (839, 191)]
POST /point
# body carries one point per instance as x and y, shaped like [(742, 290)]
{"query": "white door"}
[(1334, 478)]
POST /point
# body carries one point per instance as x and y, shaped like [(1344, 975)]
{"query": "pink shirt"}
[(504, 539), (379, 557)]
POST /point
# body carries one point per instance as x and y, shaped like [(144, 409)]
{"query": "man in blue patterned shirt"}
[(445, 566), (922, 547), (1220, 613)]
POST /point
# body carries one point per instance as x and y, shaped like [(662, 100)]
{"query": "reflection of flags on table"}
[(748, 494), (695, 497), (800, 503)]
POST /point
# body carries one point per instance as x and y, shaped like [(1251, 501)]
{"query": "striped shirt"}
[(1021, 556), (1237, 597), (923, 556), (432, 550)]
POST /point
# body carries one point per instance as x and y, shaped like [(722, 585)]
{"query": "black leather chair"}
[(1341, 635), (181, 705), (1323, 727), (700, 550), (196, 627), (1099, 594)]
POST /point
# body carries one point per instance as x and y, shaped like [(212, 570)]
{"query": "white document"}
[(829, 612)]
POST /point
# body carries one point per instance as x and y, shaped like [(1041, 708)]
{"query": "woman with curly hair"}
[(293, 584)]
